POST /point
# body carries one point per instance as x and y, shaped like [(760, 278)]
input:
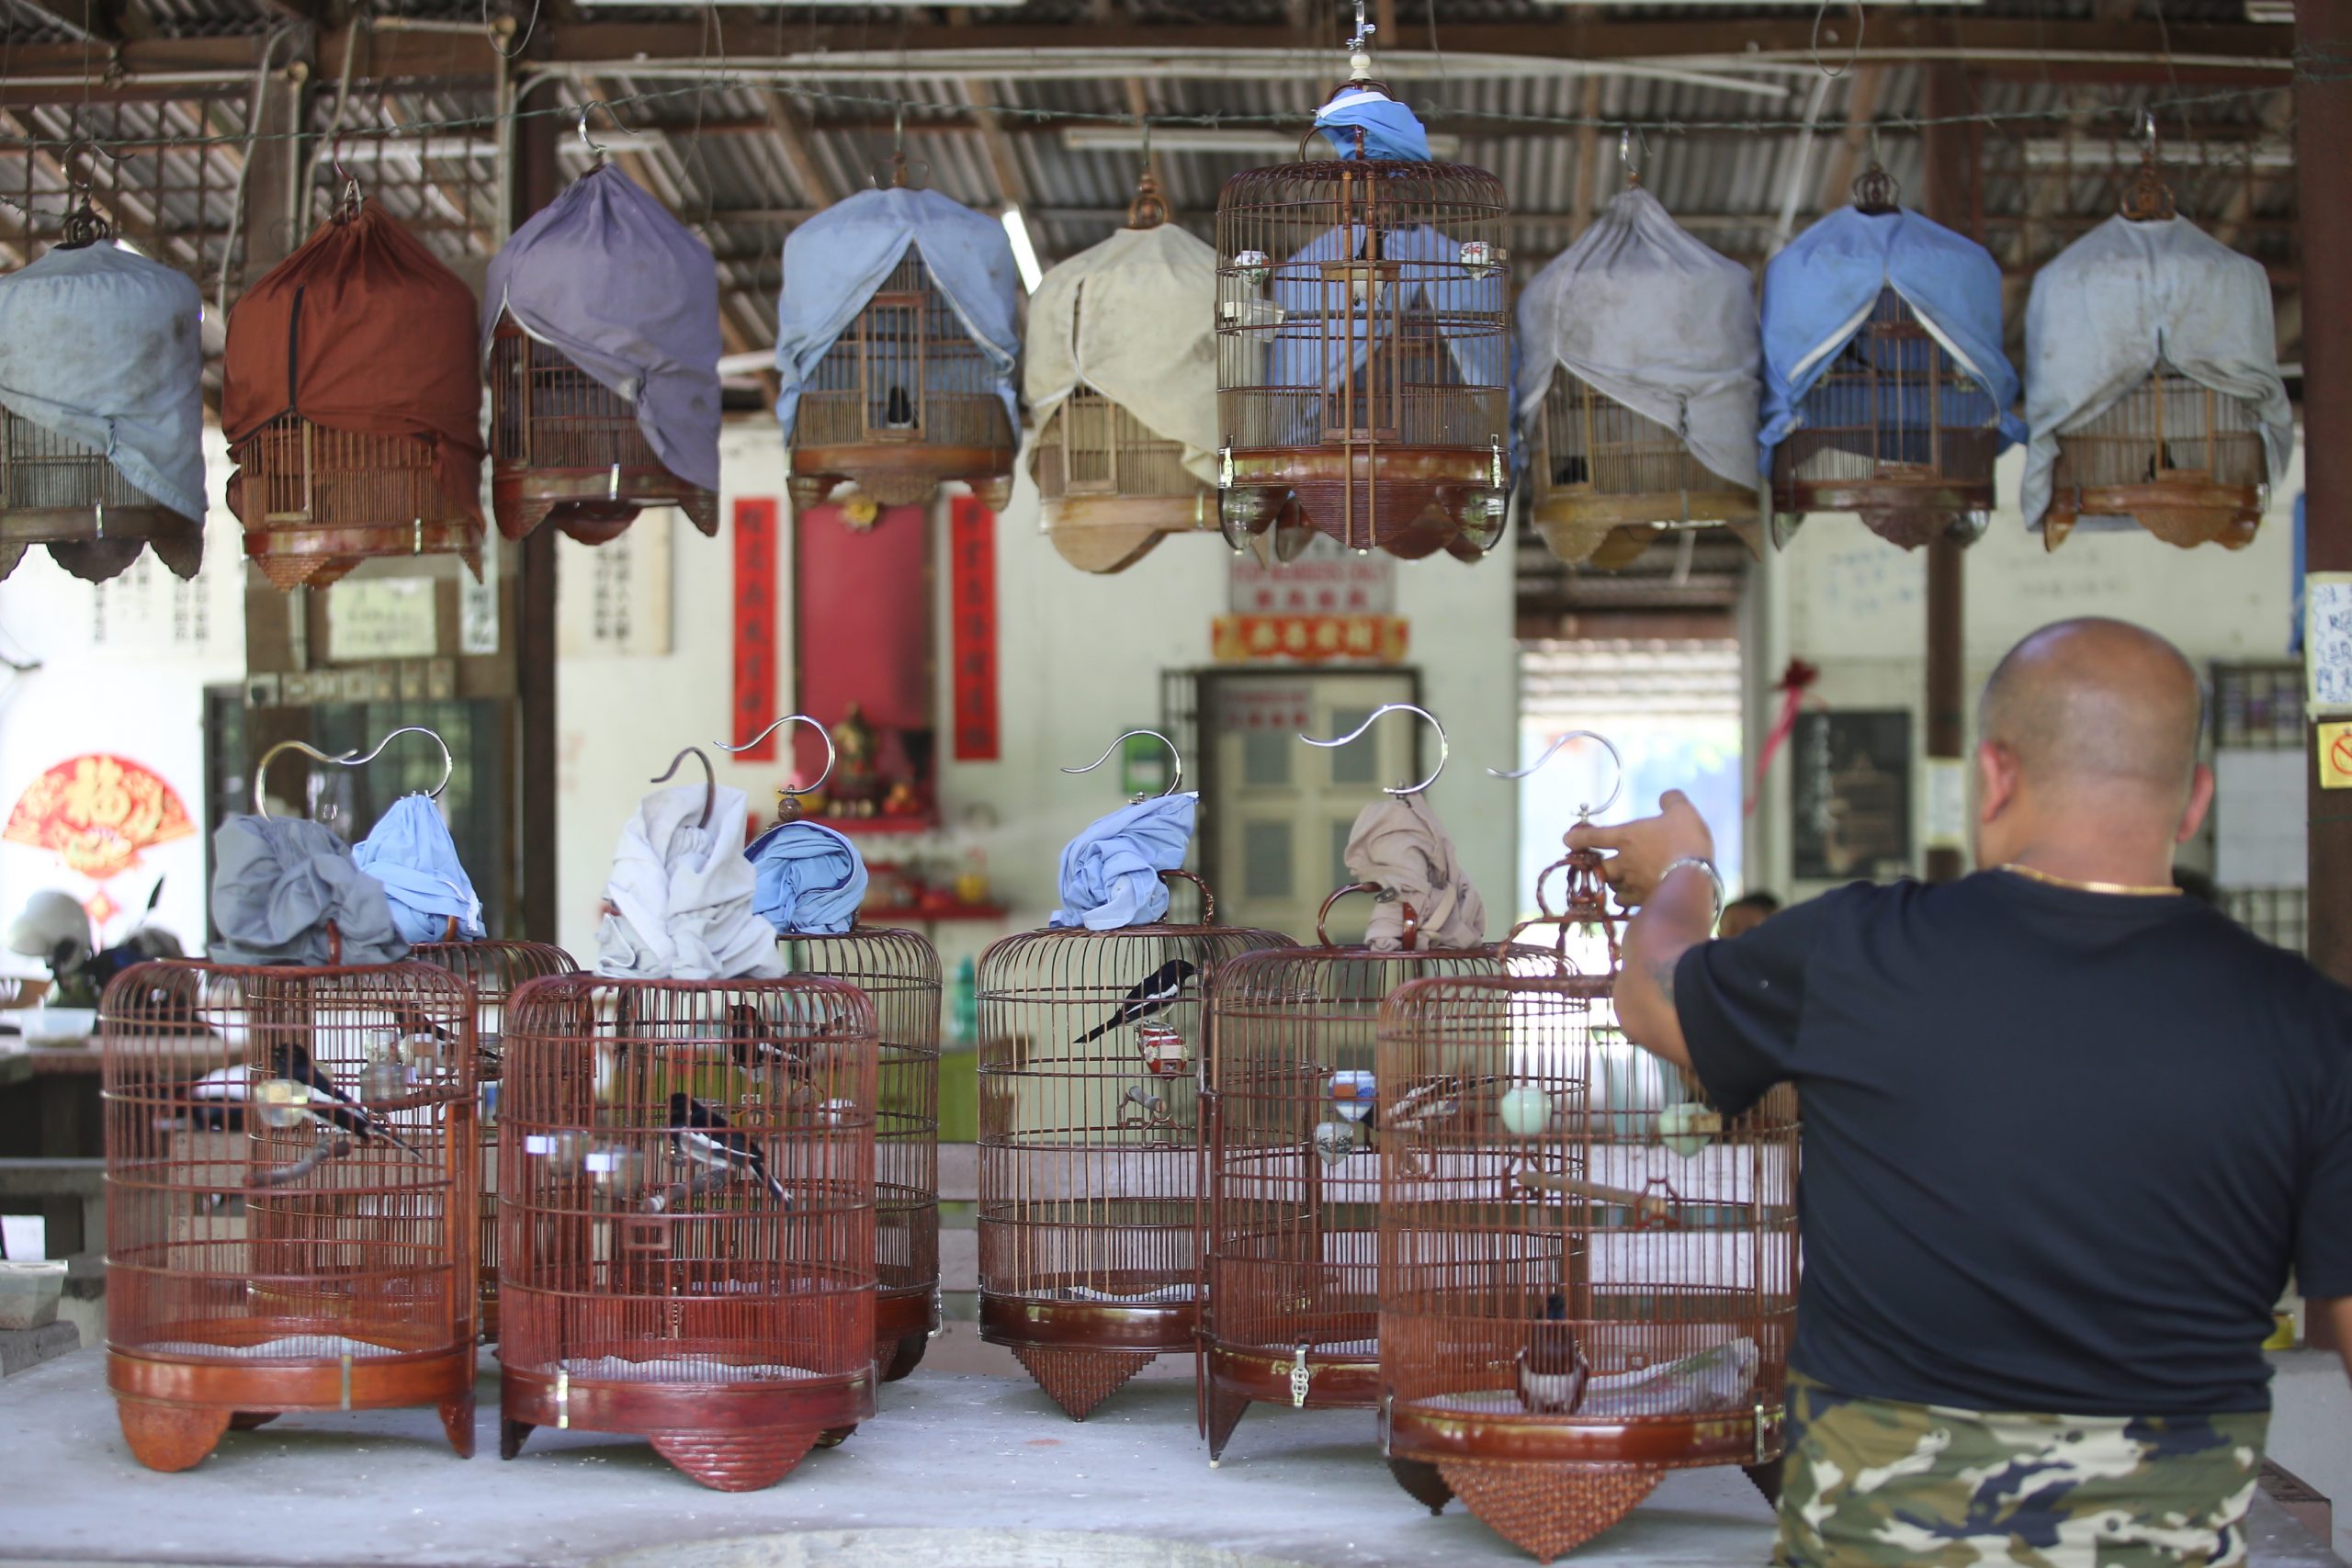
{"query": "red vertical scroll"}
[(755, 625), (972, 606)]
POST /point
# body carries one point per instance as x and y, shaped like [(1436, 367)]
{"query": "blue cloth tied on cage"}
[(808, 879), (1110, 871), (609, 279), (1390, 130), (1821, 290), (279, 882), (412, 853), (835, 261)]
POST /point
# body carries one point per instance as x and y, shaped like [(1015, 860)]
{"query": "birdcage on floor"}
[(1587, 1276), (1364, 340), (1090, 1145), (899, 973), (351, 398), (1118, 371), (687, 1211), (493, 969), (916, 389), (2202, 426), (102, 422), (1886, 390), (290, 1198), (1294, 1171)]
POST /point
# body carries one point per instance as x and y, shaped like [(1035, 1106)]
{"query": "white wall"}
[(1079, 658), (1843, 599), (138, 694)]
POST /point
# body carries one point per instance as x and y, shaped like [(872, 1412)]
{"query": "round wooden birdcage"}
[(898, 972), (1090, 1145), (493, 969), (56, 491), (1293, 1172), (1588, 1275), (566, 448), (2184, 461), (905, 399), (1895, 431), (686, 1212), (315, 503), (1363, 353), (1606, 482), (292, 1197)]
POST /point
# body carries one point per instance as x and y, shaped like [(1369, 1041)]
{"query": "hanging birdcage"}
[(1886, 390), (1118, 371), (351, 395), (1364, 349), (1293, 1173), (1588, 1275), (600, 329), (1090, 1146), (899, 973), (896, 344), (686, 1212), (493, 969), (290, 1197), (102, 421), (2158, 405), (1637, 387)]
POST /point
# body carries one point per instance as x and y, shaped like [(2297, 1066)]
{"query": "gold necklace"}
[(2031, 874)]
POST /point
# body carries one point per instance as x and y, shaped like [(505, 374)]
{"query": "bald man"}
[(2065, 1132)]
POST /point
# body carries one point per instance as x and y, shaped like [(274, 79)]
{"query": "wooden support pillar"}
[(2323, 129), (1946, 201), (536, 182)]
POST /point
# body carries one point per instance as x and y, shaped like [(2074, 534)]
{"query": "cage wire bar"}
[(1606, 482), (686, 1212), (1090, 1145), (903, 401), (1364, 355), (291, 1198), (566, 448), (1895, 431), (2184, 461), (493, 970), (1292, 1308), (1587, 1276), (899, 974)]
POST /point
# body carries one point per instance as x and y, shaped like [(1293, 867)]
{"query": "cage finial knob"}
[(2146, 197)]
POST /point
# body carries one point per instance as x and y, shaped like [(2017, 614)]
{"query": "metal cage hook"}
[(822, 734), (709, 780), (1175, 758), (590, 107), (355, 758), (1625, 155), (1616, 763), (1443, 749), (346, 206)]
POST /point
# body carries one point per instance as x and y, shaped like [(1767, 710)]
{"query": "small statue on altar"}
[(856, 784)]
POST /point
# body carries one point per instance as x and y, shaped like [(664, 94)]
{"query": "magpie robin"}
[(289, 1059), (698, 1133), (1148, 997), (1552, 1368)]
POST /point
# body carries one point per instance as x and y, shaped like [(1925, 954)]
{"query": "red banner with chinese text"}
[(755, 625), (1308, 639), (972, 606)]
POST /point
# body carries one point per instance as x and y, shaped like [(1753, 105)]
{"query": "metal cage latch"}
[(562, 1399), (346, 1380), (1301, 1374)]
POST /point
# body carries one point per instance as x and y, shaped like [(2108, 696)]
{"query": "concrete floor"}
[(985, 1456)]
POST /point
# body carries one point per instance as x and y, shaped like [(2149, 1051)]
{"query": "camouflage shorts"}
[(1874, 1484)]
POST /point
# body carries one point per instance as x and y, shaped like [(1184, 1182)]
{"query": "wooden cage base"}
[(1110, 533), (1078, 1379), (594, 506), (904, 1320), (2183, 516), (174, 1412), (76, 544), (1235, 1376), (1547, 1509), (904, 473)]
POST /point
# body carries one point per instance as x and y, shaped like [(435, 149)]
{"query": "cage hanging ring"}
[(1443, 749), (822, 734), (709, 780), (261, 768), (590, 107), (353, 758), (1616, 766), (1176, 760)]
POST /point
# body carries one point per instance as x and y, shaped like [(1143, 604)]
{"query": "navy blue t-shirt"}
[(2060, 1147)]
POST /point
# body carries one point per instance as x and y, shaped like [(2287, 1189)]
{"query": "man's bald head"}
[(2096, 704)]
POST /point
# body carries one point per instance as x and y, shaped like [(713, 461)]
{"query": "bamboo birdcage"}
[(493, 969), (566, 448), (898, 972), (291, 1198), (1607, 482), (687, 1218), (1090, 1146), (1363, 353), (317, 501), (1587, 1277), (1294, 1181)]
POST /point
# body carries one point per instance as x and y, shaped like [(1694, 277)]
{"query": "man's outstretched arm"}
[(1674, 912)]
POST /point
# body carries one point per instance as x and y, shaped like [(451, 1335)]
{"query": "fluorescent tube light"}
[(1195, 138), (1024, 255), (2124, 153)]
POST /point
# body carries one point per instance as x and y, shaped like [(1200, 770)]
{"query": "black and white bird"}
[(1151, 995), (289, 1059), (898, 409), (1552, 1368), (700, 1134)]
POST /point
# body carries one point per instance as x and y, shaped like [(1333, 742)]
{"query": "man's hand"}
[(1641, 851)]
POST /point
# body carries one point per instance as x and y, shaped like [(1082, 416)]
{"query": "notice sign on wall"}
[(1849, 777), (1326, 580), (382, 617)]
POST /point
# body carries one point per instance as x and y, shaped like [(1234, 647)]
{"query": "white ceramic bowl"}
[(58, 1023), (28, 1293)]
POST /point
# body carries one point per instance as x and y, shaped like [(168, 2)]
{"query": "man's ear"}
[(1997, 776), (2200, 800)]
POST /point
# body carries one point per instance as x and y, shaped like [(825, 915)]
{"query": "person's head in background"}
[(2086, 755), (1744, 914)]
